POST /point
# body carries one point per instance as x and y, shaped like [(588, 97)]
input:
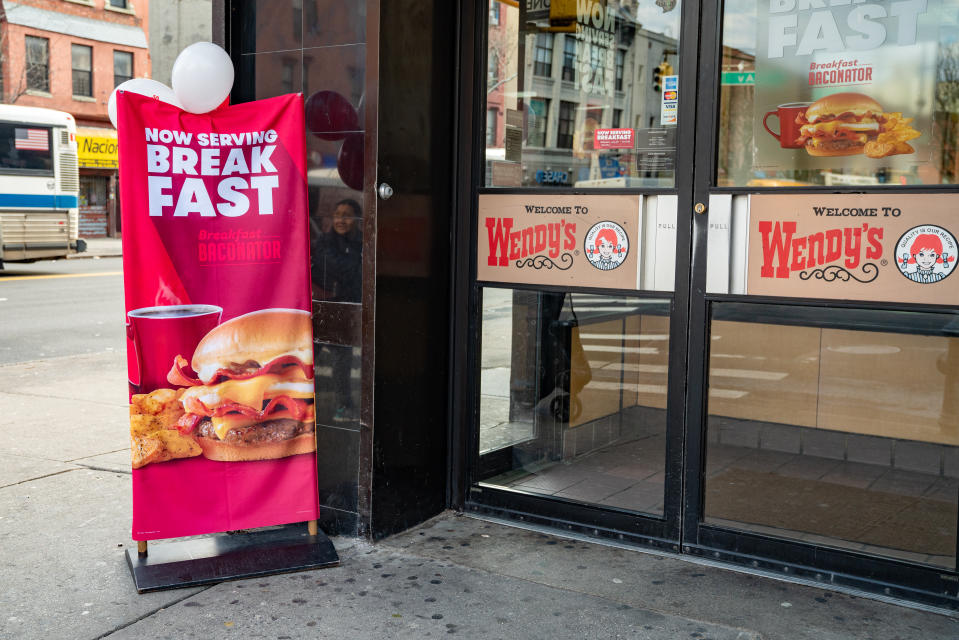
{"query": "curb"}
[(88, 256)]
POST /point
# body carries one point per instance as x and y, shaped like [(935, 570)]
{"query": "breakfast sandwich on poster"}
[(844, 85)]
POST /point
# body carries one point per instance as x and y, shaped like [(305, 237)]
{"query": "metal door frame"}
[(662, 532)]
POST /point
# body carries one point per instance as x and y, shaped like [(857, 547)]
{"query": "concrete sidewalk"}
[(65, 521), (100, 248)]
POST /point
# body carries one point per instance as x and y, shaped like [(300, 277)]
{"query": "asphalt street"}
[(59, 308)]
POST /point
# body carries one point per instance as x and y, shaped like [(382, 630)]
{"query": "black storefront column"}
[(413, 274)]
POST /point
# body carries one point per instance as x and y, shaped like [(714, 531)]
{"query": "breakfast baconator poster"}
[(217, 290), (843, 84)]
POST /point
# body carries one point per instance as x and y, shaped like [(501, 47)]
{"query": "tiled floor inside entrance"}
[(872, 508)]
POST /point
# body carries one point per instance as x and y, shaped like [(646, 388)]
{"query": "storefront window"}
[(842, 95), (611, 71), (93, 191), (573, 396), (836, 436)]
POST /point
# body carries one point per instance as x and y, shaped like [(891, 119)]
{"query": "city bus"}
[(39, 185)]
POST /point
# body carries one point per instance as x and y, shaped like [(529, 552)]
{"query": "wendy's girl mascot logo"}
[(606, 245), (926, 254)]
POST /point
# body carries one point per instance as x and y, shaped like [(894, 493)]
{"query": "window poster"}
[(586, 241), (845, 83), (876, 247)]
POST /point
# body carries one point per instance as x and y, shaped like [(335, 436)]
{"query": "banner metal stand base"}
[(200, 561)]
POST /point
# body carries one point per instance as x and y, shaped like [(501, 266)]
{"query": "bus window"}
[(25, 148)]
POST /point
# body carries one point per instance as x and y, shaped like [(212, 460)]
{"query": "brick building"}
[(69, 55)]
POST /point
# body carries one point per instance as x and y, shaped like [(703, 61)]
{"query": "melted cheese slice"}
[(253, 392), (830, 128)]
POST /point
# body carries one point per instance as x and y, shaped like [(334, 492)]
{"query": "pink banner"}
[(220, 350)]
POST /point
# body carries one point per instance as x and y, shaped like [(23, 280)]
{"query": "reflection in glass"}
[(904, 127), (835, 437), (573, 396), (338, 397), (336, 253), (554, 80)]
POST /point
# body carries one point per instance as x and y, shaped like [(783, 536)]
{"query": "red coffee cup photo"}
[(788, 135), (159, 334)]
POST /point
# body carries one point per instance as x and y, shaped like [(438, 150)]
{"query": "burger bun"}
[(260, 336), (826, 151), (836, 104), (226, 452)]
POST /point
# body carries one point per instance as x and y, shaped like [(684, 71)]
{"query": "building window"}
[(93, 191), (597, 76), (620, 67), (297, 19), (538, 115), (569, 58), (493, 68), (81, 57), (564, 133), (38, 63), (543, 56), (617, 118), (491, 115), (119, 4), (286, 79), (494, 12), (122, 67)]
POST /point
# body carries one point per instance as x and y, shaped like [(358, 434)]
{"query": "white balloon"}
[(144, 87), (202, 77)]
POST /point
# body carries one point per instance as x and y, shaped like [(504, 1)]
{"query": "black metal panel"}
[(853, 318), (198, 561), (830, 566), (601, 522), (241, 36), (411, 379), (461, 316)]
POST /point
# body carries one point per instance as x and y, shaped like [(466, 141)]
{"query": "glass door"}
[(822, 423), (582, 188)]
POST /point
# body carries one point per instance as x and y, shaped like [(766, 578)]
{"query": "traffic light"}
[(562, 16), (663, 69), (658, 78)]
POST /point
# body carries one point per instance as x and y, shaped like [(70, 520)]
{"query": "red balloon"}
[(349, 162), (330, 116)]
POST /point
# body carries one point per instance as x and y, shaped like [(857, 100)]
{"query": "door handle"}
[(385, 191), (699, 207)]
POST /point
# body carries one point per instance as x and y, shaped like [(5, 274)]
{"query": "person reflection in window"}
[(337, 258), (337, 254)]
